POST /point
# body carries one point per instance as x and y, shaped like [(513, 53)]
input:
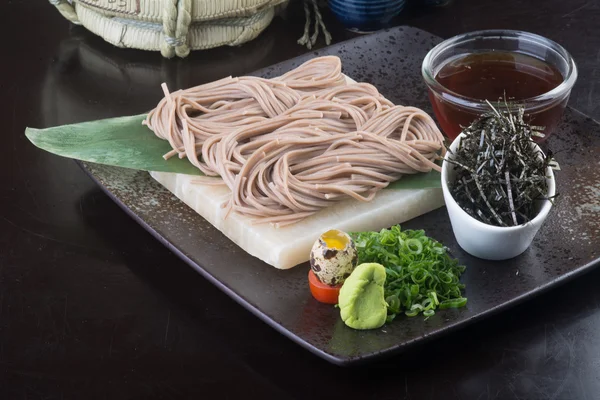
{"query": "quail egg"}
[(333, 257)]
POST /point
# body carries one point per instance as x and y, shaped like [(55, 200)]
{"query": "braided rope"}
[(158, 27), (169, 27), (320, 22), (184, 18), (310, 40), (66, 9), (305, 39), (315, 35), (152, 26)]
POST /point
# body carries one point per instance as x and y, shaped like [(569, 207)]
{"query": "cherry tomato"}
[(322, 292)]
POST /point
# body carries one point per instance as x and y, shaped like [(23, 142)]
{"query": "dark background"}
[(92, 306)]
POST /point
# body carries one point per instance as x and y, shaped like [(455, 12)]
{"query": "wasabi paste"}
[(361, 300)]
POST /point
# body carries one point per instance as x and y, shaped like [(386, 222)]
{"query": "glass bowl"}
[(454, 110)]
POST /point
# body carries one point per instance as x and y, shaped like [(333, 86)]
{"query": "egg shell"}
[(333, 266)]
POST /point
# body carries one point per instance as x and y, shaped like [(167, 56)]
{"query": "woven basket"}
[(172, 26)]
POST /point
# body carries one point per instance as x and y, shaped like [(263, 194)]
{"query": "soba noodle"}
[(290, 146)]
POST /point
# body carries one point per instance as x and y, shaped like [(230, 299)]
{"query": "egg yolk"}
[(335, 239)]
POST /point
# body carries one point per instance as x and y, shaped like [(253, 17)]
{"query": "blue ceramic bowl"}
[(366, 15)]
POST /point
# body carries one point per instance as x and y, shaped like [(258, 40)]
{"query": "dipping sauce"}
[(491, 75)]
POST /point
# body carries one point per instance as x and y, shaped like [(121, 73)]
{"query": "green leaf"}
[(122, 142), (125, 142), (424, 180)]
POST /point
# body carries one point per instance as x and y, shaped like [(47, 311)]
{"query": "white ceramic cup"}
[(487, 241)]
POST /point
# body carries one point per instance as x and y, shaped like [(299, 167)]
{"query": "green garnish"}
[(420, 274), (362, 297), (499, 174)]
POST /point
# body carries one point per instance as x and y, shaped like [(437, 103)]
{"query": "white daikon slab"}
[(289, 246)]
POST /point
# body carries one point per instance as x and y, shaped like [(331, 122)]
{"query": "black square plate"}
[(567, 245)]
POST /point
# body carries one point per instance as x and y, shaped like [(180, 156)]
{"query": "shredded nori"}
[(500, 176)]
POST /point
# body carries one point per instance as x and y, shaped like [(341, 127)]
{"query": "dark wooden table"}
[(92, 306)]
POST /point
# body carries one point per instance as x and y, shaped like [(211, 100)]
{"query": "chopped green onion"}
[(421, 275), (428, 313), (414, 246), (454, 303)]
